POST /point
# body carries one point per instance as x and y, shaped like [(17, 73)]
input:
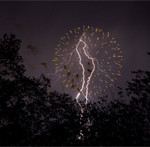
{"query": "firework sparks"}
[(87, 61)]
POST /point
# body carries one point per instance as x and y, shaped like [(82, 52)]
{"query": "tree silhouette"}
[(32, 114), (11, 71), (27, 109), (124, 122)]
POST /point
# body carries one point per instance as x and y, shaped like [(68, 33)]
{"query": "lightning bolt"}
[(89, 78), (85, 82), (85, 85), (83, 70), (84, 90)]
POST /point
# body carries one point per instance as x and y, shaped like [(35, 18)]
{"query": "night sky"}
[(39, 25)]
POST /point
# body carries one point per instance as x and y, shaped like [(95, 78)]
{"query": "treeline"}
[(30, 115)]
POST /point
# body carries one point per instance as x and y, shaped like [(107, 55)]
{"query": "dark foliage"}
[(32, 114)]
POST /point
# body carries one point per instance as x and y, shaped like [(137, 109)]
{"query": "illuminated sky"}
[(87, 61), (40, 24)]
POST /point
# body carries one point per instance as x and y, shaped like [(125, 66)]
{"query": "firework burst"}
[(87, 61)]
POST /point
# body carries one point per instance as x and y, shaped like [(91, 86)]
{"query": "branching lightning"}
[(83, 70), (83, 37), (88, 61)]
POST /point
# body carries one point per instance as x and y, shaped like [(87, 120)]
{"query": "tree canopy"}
[(30, 114)]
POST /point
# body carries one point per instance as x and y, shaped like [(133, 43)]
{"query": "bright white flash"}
[(84, 90), (85, 84)]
